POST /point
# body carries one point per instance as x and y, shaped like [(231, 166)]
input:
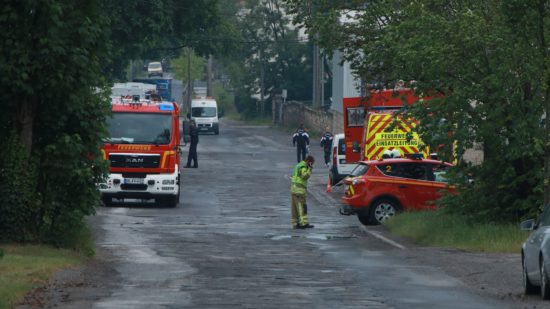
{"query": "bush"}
[(18, 200), (225, 99), (502, 190)]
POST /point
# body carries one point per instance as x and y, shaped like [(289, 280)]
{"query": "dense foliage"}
[(268, 55), (56, 59), (157, 29), (52, 116), (181, 69), (486, 62)]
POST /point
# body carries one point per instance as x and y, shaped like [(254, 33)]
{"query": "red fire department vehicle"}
[(143, 148), (380, 187), (370, 127)]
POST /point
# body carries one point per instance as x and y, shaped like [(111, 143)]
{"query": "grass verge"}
[(440, 229), (25, 267)]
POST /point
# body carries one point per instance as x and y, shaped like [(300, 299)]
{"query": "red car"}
[(377, 190)]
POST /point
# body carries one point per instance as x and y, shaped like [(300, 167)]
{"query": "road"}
[(229, 244)]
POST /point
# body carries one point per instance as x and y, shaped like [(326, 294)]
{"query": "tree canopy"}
[(268, 56), (486, 62)]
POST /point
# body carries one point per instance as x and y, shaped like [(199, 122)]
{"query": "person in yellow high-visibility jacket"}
[(298, 190)]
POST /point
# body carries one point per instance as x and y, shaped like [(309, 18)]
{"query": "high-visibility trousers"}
[(299, 210)]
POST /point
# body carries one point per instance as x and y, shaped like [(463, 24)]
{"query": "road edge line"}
[(382, 238)]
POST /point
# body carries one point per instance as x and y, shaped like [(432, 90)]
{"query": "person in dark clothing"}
[(194, 136), (301, 140), (326, 144)]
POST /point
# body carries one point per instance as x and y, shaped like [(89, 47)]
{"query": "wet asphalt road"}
[(229, 243)]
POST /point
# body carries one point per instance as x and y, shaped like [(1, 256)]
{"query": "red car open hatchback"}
[(377, 190)]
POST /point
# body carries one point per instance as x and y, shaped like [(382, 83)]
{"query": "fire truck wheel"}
[(107, 202), (382, 210), (168, 201)]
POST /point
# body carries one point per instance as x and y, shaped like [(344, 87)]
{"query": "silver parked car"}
[(535, 255)]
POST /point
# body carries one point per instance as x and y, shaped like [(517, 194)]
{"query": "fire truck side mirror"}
[(355, 147)]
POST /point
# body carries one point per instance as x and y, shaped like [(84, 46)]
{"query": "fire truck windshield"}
[(139, 128)]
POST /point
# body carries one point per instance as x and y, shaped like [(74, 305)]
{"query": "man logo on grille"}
[(134, 160)]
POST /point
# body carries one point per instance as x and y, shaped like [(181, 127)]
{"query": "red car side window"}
[(412, 170), (387, 169)]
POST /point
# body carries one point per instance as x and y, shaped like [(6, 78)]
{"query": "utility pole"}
[(317, 76), (189, 81), (322, 80), (316, 95), (209, 77), (281, 109), (315, 66), (262, 103)]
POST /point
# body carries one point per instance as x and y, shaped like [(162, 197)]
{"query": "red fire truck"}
[(143, 148), (370, 127)]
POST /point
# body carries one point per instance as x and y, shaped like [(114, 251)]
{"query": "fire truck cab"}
[(143, 149)]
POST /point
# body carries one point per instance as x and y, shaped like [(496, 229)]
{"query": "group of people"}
[(302, 172), (300, 140)]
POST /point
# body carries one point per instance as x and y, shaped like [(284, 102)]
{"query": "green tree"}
[(274, 57), (53, 115), (224, 98), (156, 29), (196, 70)]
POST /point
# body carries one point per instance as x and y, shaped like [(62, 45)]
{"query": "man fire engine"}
[(143, 148)]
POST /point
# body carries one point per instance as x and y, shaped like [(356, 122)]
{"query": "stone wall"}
[(295, 113)]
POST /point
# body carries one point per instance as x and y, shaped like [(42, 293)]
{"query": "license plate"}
[(203, 129), (133, 181)]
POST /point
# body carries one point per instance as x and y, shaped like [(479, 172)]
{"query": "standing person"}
[(301, 140), (298, 190), (194, 140), (326, 144)]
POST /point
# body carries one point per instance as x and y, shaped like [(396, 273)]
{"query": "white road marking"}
[(382, 238), (118, 210)]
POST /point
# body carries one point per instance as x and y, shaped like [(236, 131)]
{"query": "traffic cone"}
[(329, 187)]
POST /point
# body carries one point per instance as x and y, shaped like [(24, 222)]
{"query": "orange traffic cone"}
[(329, 187)]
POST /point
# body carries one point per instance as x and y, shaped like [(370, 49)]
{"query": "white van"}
[(154, 69), (204, 111), (338, 168)]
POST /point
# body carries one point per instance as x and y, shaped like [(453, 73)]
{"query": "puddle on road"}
[(310, 236)]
